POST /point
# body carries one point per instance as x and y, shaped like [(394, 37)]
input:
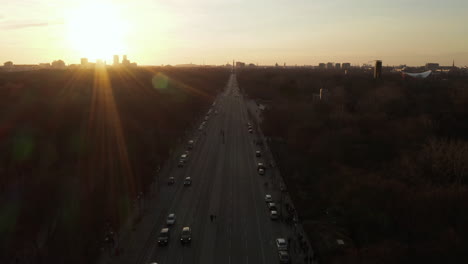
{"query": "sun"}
[(96, 30)]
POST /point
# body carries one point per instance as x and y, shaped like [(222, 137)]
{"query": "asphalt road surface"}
[(225, 183)]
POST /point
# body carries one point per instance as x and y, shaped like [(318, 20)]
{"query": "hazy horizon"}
[(214, 32)]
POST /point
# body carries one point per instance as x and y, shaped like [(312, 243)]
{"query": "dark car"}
[(186, 235), (170, 181), (284, 257), (163, 238)]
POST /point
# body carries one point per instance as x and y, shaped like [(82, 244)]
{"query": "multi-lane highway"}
[(225, 184)]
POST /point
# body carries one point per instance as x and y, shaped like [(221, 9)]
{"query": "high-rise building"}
[(84, 62), (116, 60), (337, 66), (329, 65), (378, 69), (346, 65), (125, 61), (322, 66)]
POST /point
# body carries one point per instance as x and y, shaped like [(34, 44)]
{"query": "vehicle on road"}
[(206, 118), (272, 206), (180, 164), (171, 219), (268, 198), (250, 130), (184, 157), (261, 171), (216, 112), (201, 127), (188, 181), (284, 257), (258, 153), (274, 215), (190, 144), (171, 181), (260, 165), (163, 238), (282, 244), (186, 235)]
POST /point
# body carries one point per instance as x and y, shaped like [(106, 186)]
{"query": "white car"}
[(282, 244), (171, 219), (274, 215), (268, 198), (188, 181)]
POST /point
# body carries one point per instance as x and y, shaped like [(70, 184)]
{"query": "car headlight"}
[(190, 238)]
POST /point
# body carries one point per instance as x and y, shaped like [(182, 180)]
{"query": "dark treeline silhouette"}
[(77, 148), (381, 165)]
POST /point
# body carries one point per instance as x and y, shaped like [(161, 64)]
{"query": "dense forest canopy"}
[(379, 164), (77, 147)]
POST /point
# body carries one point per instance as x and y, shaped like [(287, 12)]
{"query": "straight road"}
[(225, 183)]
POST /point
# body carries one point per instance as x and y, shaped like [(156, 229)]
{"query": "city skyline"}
[(209, 32)]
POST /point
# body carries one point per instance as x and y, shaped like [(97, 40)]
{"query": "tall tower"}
[(116, 60), (378, 69)]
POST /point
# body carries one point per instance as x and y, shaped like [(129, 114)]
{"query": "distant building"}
[(322, 66), (84, 62), (337, 66), (116, 60), (329, 65), (276, 65), (251, 65), (8, 64), (324, 94), (240, 64), (346, 66), (58, 64), (125, 61), (378, 69), (432, 66)]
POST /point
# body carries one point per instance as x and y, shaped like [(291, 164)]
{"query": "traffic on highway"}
[(223, 201)]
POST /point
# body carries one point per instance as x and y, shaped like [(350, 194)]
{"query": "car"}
[(258, 153), (216, 112), (186, 235), (272, 206), (250, 131), (163, 238), (260, 165), (180, 164), (171, 219), (187, 181), (184, 157), (261, 171), (248, 124), (171, 181), (190, 144), (206, 118), (274, 215), (282, 244), (268, 198), (284, 257), (201, 127)]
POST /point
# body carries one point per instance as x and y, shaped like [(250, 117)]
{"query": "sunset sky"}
[(155, 32)]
